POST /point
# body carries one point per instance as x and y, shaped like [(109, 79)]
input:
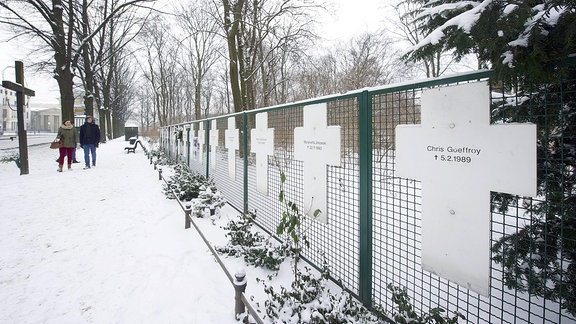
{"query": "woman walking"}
[(67, 134)]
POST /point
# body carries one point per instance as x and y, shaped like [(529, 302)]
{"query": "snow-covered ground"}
[(102, 246)]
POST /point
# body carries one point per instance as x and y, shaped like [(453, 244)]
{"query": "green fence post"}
[(207, 144), (176, 153), (245, 150), (365, 209), (188, 126)]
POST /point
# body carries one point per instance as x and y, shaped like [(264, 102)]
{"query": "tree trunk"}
[(62, 72), (88, 73), (232, 32)]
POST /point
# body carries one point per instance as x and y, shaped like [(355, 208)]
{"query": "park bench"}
[(132, 147)]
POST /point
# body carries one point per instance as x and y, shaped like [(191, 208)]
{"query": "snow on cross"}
[(460, 158), (318, 145)]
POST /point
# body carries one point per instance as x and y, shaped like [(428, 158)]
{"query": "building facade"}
[(39, 117)]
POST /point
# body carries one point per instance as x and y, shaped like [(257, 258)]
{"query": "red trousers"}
[(65, 151)]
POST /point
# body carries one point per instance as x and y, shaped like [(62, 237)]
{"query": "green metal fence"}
[(373, 234)]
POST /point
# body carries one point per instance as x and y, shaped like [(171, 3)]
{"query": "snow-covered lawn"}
[(102, 246)]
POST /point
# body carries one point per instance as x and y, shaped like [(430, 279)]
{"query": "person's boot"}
[(59, 168), (69, 167)]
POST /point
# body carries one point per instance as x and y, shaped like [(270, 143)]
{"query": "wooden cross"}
[(460, 158), (21, 91)]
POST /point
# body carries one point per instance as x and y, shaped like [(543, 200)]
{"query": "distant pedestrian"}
[(89, 140), (67, 134)]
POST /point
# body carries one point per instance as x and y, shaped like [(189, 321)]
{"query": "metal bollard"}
[(187, 213), (239, 287), (159, 173)]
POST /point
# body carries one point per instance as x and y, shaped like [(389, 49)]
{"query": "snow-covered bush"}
[(160, 157), (255, 248), (406, 314), (187, 185), (12, 156), (311, 301)]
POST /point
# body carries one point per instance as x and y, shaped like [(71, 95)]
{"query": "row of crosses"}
[(456, 153), (316, 144)]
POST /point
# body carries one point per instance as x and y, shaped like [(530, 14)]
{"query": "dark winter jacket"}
[(89, 133)]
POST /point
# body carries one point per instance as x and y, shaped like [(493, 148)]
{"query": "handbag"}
[(56, 144)]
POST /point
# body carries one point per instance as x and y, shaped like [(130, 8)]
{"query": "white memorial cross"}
[(460, 158), (262, 144), (201, 141), (317, 145), (213, 143), (232, 143), (194, 142)]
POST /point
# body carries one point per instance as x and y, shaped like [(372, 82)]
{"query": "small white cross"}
[(232, 144), (460, 158), (213, 144), (262, 144), (318, 145), (201, 141)]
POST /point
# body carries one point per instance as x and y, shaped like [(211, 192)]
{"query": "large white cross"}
[(213, 143), (317, 145), (232, 143), (201, 141), (262, 144), (460, 158)]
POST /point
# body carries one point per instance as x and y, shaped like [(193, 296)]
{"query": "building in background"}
[(7, 110), (39, 117), (43, 118)]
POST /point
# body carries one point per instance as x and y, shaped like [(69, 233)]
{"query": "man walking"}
[(89, 139)]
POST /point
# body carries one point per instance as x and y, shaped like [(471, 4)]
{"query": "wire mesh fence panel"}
[(226, 169), (532, 239), (268, 207), (197, 149)]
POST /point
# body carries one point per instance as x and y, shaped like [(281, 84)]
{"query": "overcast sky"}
[(351, 18)]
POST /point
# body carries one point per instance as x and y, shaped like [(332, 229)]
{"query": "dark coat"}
[(89, 133)]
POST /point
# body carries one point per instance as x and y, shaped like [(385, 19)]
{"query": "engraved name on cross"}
[(318, 146), (213, 144), (195, 144), (460, 158), (232, 143), (262, 144)]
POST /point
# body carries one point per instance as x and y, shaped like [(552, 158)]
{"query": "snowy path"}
[(101, 246)]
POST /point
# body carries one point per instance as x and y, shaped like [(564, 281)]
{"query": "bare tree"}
[(200, 49), (123, 95), (369, 60), (161, 69), (101, 54), (409, 29), (54, 27), (255, 30)]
